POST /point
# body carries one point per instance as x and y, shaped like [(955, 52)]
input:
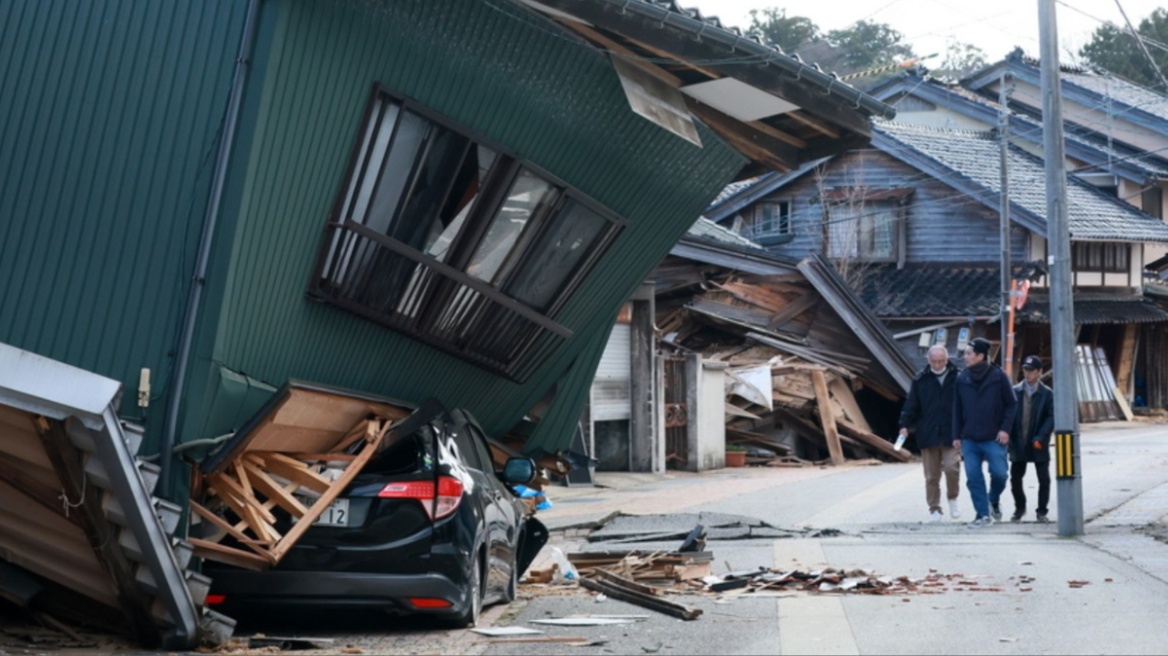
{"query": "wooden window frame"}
[(1101, 257)]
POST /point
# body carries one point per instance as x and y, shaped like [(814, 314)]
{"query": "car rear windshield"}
[(405, 454)]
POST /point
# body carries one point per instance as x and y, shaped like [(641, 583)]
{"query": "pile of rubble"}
[(794, 368)]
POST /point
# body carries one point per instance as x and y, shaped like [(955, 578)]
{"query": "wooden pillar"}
[(1127, 357), (827, 417)]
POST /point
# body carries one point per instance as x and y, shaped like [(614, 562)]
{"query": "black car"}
[(428, 526)]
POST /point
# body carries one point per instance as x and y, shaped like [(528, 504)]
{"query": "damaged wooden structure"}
[(83, 539), (810, 371), (296, 455)]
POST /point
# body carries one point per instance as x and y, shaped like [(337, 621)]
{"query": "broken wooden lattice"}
[(297, 459)]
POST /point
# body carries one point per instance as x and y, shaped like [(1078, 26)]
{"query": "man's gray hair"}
[(938, 347)]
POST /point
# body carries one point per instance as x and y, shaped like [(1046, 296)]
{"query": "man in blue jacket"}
[(928, 412), (1030, 438), (983, 415)]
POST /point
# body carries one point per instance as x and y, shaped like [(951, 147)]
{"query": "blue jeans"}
[(976, 453)]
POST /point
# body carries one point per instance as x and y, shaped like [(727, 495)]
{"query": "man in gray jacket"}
[(928, 412)]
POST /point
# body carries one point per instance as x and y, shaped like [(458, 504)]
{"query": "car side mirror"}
[(518, 471)]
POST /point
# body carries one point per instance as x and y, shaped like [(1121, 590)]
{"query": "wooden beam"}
[(1127, 356), (717, 60), (31, 487), (230, 555), (875, 442), (793, 309), (823, 402), (842, 392), (289, 468), (329, 495), (274, 491)]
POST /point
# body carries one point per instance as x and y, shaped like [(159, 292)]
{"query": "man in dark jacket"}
[(982, 418), (928, 412), (1030, 438)]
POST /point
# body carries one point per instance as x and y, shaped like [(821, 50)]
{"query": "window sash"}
[(866, 231), (453, 240)]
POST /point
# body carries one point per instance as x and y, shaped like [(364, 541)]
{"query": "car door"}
[(504, 520)]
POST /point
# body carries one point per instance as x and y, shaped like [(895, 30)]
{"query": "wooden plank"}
[(224, 525), (261, 530), (274, 491), (329, 495), (842, 392), (1127, 355), (875, 441), (1121, 400), (647, 601), (823, 404), (793, 309), (214, 551), (291, 469)]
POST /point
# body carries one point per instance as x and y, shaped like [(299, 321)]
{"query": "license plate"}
[(337, 514)]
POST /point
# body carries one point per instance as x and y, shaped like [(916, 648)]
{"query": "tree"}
[(867, 45), (1113, 48), (778, 29), (961, 59)]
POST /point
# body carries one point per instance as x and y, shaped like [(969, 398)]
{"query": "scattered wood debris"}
[(795, 366)]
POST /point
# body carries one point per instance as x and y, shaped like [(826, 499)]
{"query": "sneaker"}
[(935, 516), (982, 521), (1016, 517), (997, 513), (954, 511), (1041, 518)]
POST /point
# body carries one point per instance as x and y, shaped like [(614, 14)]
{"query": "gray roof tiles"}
[(962, 156)]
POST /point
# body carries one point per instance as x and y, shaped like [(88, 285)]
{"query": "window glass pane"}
[(525, 196), (556, 255), (880, 222), (466, 190), (842, 231), (431, 161), (373, 148)]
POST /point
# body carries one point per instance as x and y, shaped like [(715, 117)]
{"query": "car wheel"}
[(470, 617), (513, 582)]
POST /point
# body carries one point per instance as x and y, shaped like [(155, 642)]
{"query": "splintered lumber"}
[(842, 393), (876, 442), (247, 489), (624, 592), (827, 418)]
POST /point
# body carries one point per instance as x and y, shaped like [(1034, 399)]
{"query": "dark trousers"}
[(1017, 473)]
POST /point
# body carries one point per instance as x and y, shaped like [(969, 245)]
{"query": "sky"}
[(995, 26)]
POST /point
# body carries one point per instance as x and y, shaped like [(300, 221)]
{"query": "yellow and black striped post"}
[(1066, 460)]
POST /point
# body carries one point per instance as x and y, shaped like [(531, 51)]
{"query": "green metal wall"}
[(490, 66), (109, 112)]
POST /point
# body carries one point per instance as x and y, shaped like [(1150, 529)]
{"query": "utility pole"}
[(1067, 455), (1007, 343)]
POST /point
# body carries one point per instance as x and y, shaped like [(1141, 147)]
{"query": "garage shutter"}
[(610, 389)]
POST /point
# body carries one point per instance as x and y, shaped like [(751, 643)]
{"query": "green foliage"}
[(961, 59), (735, 447), (868, 44), (778, 29), (1114, 48)]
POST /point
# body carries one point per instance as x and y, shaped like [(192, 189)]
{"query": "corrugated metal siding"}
[(110, 112), (610, 389), (943, 225), (494, 69)]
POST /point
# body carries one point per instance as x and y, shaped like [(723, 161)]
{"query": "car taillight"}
[(429, 602), (449, 494), (214, 599)]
